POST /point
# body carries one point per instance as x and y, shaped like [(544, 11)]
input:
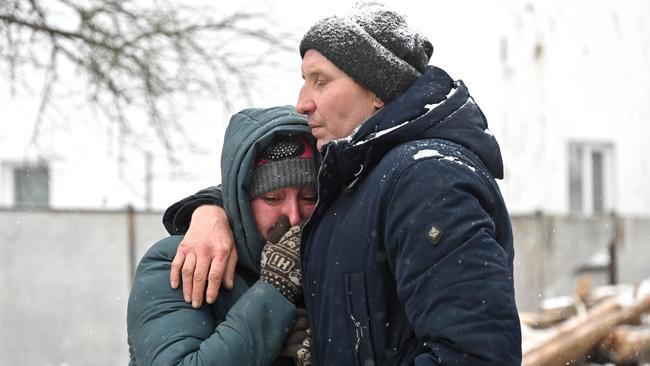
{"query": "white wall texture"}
[(588, 83), (66, 283)]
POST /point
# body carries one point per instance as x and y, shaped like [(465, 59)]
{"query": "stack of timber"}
[(605, 326)]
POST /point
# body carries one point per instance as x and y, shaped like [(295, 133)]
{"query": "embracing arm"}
[(164, 330), (207, 251), (453, 277), (177, 217)]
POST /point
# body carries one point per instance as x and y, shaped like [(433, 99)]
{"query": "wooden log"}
[(570, 341), (531, 336), (548, 317), (627, 344)]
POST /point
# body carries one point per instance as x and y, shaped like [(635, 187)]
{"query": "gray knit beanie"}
[(288, 161), (374, 46)]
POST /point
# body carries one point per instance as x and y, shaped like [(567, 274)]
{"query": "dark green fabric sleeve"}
[(246, 326)]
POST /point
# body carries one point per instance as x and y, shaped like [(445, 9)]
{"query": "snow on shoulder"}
[(428, 153), (432, 153)]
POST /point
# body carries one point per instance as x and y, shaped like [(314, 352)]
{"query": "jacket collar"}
[(430, 99)]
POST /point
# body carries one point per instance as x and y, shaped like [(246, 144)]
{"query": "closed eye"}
[(271, 200)]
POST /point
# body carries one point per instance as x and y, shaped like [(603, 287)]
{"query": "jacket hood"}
[(248, 133), (434, 106)]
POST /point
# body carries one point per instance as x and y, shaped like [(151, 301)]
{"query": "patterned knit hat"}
[(374, 46), (288, 161)]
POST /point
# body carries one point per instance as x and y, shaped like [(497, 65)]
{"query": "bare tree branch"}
[(131, 57), (46, 93)]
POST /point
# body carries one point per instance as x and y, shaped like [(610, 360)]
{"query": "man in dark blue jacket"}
[(407, 258)]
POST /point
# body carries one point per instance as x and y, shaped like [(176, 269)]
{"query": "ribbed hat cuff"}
[(283, 173), (348, 46)]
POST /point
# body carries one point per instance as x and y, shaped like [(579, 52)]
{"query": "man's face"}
[(334, 103)]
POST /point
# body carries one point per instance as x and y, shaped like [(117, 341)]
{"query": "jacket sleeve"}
[(453, 277), (177, 216), (164, 330)]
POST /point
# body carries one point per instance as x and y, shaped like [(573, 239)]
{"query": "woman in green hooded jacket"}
[(268, 169)]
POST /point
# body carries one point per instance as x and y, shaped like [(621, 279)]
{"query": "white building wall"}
[(589, 84)]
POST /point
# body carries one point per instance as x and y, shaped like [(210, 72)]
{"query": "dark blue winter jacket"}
[(408, 255)]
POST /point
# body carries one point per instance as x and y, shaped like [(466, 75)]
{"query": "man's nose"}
[(305, 103)]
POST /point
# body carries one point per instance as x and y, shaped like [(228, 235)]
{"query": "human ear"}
[(376, 102)]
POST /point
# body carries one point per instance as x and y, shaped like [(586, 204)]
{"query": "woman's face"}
[(296, 203)]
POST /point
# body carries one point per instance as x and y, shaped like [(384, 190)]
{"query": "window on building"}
[(31, 186), (590, 178)]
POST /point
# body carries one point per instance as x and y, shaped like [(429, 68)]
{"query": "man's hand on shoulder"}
[(206, 253)]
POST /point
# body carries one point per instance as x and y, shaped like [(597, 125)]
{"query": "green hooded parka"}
[(246, 325)]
